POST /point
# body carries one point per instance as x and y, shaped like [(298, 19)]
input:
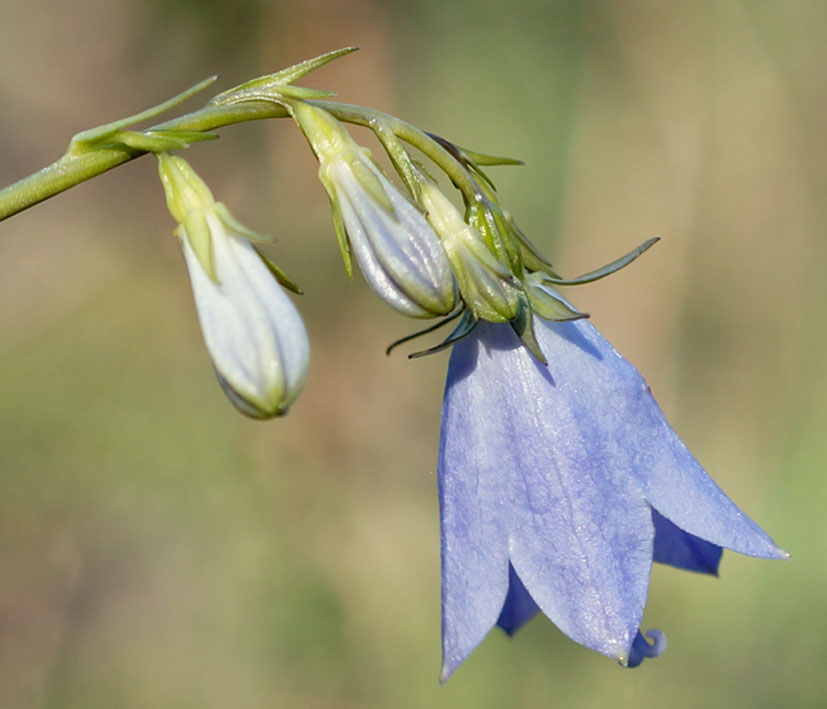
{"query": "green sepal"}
[(194, 228), (606, 270), (468, 323), (402, 340), (499, 225), (485, 178), (338, 224), (477, 216), (550, 306), (278, 274), (280, 79), (523, 325), (95, 137), (490, 221), (370, 182), (401, 159), (238, 228)]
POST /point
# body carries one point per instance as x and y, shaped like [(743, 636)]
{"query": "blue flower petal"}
[(519, 606), (474, 533), (558, 487), (645, 446), (677, 548)]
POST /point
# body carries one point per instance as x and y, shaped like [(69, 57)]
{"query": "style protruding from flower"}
[(252, 330), (398, 252), (559, 486)]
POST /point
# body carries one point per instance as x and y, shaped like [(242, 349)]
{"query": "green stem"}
[(71, 170)]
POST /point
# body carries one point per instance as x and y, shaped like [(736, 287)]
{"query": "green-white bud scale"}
[(253, 332)]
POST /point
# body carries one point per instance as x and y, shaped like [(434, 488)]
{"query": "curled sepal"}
[(487, 287), (463, 329), (110, 133), (548, 303), (398, 252), (643, 649), (280, 81), (606, 270)]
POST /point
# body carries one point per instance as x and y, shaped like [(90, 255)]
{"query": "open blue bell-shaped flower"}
[(559, 485)]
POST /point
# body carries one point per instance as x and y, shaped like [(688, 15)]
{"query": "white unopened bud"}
[(253, 332), (398, 252)]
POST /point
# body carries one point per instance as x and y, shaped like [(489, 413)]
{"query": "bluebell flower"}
[(559, 486)]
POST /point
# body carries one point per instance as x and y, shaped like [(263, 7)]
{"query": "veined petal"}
[(474, 532), (617, 399)]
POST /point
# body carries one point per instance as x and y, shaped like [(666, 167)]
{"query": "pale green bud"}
[(397, 251), (486, 285), (252, 330)]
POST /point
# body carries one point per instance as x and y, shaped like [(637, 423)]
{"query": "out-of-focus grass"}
[(158, 550)]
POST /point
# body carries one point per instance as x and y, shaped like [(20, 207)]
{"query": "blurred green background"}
[(158, 550)]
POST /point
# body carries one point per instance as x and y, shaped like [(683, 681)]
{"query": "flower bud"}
[(253, 332), (486, 285), (398, 252)]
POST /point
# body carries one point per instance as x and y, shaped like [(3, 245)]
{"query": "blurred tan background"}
[(158, 550)]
